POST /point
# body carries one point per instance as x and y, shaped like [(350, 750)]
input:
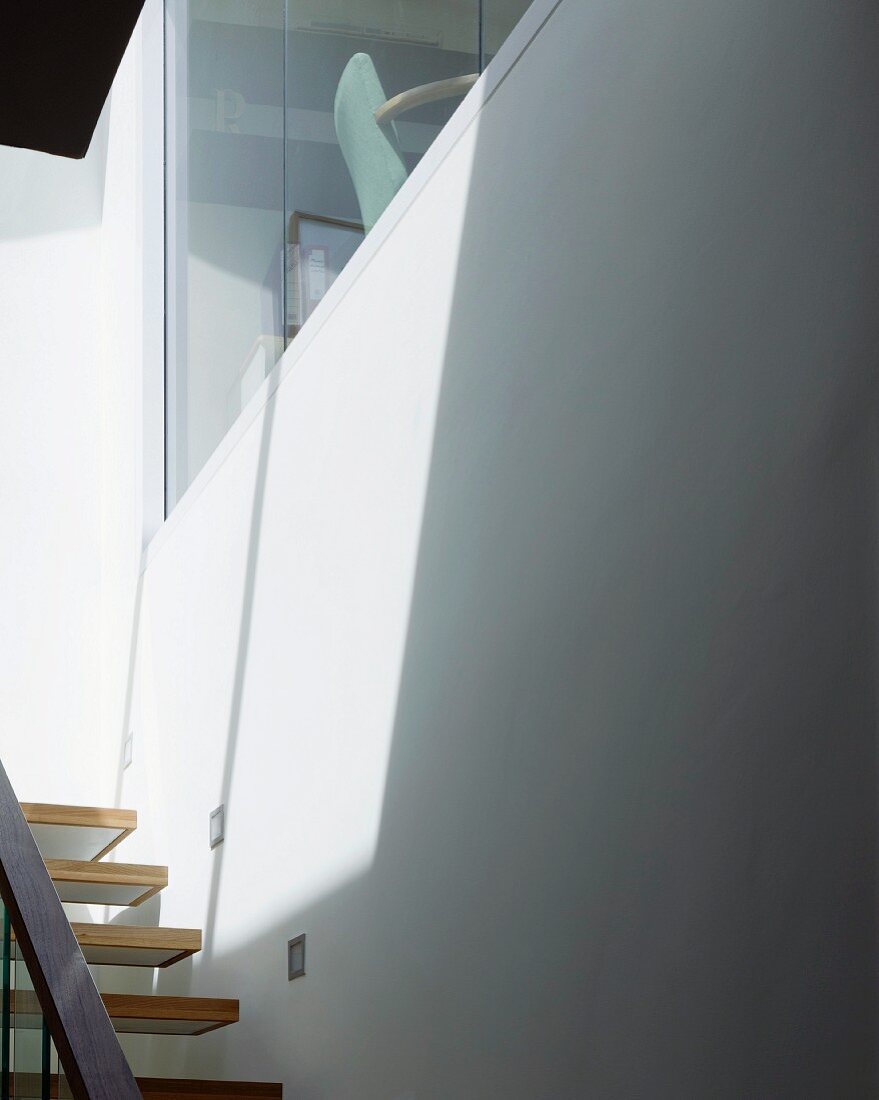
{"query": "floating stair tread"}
[(161, 1089), (77, 832), (157, 1015), (158, 1088), (106, 883), (127, 945), (145, 1015)]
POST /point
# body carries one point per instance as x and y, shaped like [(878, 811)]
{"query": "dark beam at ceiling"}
[(58, 59)]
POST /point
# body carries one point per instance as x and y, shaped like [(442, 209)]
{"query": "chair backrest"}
[(372, 152)]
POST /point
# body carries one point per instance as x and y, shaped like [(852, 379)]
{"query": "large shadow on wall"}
[(628, 843)]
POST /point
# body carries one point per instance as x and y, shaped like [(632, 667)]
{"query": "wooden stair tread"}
[(148, 1014), (203, 1013), (95, 883), (161, 1088), (171, 1089), (77, 832), (132, 945)]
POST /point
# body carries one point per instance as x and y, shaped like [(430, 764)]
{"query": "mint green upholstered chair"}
[(372, 152)]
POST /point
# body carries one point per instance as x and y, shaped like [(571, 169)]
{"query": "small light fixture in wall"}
[(296, 957), (127, 751), (218, 826)]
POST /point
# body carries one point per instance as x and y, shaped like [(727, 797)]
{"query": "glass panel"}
[(225, 222), (345, 59), (6, 1009), (499, 18), (291, 125), (31, 1045), (28, 1062)]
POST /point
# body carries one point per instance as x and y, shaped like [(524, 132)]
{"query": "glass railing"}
[(48, 997), (291, 125), (369, 86), (29, 1068), (29, 1064)]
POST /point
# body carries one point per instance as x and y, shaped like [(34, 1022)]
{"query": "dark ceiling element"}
[(57, 62)]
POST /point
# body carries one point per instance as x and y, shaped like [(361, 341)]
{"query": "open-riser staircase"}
[(73, 841)]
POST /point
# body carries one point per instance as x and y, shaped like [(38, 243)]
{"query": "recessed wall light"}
[(217, 826), (296, 957)]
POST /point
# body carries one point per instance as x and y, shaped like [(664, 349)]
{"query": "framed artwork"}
[(318, 249)]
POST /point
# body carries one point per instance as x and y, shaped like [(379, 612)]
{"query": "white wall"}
[(529, 632), (50, 215), (132, 311)]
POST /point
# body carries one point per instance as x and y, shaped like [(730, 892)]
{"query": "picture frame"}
[(319, 247)]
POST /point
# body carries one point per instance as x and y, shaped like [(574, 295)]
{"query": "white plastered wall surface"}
[(50, 504), (527, 631)]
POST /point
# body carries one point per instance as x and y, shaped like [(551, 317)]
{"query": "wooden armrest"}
[(424, 93)]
